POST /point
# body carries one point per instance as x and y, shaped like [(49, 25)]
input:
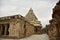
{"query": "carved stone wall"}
[(54, 26), (18, 27), (34, 21)]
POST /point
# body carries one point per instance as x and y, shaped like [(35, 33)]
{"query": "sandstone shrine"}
[(19, 26)]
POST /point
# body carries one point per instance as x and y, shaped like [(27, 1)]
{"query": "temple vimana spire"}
[(31, 16), (33, 20), (17, 26)]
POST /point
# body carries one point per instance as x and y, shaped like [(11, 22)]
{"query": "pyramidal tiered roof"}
[(31, 16)]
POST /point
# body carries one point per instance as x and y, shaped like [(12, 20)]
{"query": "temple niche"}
[(54, 26)]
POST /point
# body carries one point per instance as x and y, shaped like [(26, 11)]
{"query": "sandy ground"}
[(33, 37)]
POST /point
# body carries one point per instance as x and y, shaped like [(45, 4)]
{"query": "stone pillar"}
[(6, 27), (0, 29)]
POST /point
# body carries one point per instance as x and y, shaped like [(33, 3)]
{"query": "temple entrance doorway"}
[(4, 29)]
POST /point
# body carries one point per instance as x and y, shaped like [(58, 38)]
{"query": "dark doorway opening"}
[(24, 29), (7, 29), (36, 29), (3, 28)]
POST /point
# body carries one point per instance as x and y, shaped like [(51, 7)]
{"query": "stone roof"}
[(15, 17), (10, 17), (31, 16)]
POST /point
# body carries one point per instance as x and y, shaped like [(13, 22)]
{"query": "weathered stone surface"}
[(18, 26), (33, 20), (31, 16), (54, 26)]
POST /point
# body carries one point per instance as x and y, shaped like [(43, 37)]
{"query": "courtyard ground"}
[(33, 37)]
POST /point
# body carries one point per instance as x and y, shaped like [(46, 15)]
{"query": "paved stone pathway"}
[(33, 37)]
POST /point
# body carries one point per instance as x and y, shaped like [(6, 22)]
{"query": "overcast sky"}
[(41, 8)]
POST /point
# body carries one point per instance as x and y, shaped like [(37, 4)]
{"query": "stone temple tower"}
[(34, 20)]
